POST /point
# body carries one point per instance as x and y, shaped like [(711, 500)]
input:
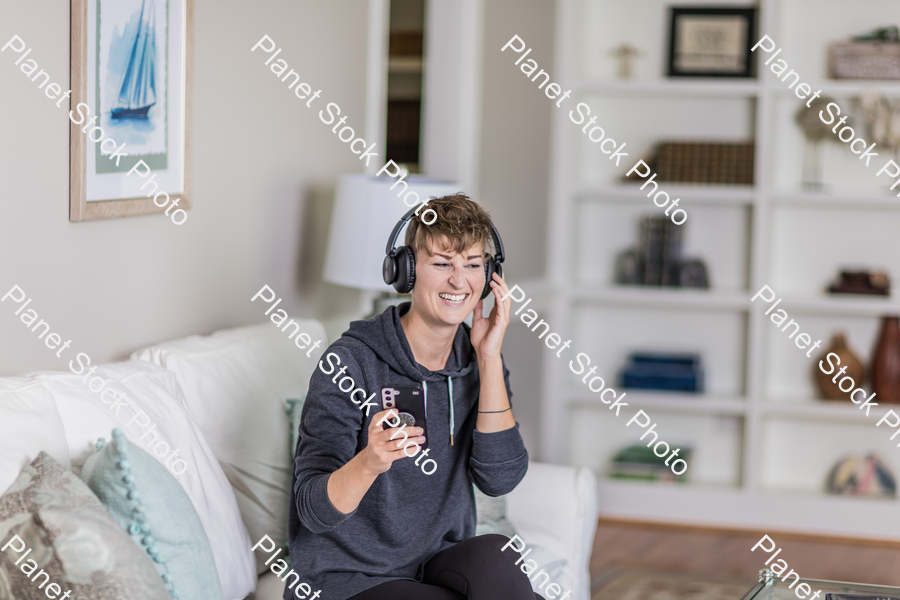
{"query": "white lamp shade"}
[(365, 212)]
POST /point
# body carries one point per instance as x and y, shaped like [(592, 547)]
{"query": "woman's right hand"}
[(382, 451), (348, 485)]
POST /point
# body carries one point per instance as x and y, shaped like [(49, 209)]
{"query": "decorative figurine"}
[(883, 119), (828, 388), (862, 282), (861, 476), (888, 34), (886, 362), (625, 53), (815, 130)]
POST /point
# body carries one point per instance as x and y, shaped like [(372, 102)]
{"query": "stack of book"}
[(657, 259), (669, 372), (660, 250), (639, 462)]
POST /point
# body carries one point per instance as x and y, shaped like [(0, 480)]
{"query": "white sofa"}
[(221, 398)]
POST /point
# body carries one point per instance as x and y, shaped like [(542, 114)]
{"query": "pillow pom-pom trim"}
[(138, 524)]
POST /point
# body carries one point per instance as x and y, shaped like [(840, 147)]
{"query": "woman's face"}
[(448, 284)]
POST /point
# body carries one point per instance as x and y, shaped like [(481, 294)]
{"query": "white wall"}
[(264, 170)]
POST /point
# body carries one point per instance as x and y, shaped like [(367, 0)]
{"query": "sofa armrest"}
[(556, 507)]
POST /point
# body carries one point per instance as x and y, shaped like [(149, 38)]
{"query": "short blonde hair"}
[(461, 223)]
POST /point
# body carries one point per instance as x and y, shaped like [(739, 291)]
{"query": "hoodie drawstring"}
[(452, 423), (450, 391)]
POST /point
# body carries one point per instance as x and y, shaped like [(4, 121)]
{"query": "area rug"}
[(637, 584)]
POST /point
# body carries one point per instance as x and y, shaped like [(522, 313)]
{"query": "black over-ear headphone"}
[(399, 267)]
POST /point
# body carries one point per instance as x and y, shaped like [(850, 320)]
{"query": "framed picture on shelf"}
[(711, 41), (131, 105)]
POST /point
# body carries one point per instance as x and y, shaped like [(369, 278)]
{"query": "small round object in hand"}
[(407, 419)]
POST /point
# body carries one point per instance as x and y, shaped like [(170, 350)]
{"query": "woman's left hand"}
[(487, 332)]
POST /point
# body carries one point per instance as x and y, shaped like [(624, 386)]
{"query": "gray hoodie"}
[(406, 516)]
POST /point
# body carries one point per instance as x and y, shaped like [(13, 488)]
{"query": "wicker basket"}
[(864, 60)]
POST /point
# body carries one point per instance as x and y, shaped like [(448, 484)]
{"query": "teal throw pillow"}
[(147, 501), (294, 407)]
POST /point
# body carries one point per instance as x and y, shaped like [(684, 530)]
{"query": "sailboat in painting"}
[(138, 91)]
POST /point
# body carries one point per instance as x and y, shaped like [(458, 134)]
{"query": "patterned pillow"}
[(65, 540)]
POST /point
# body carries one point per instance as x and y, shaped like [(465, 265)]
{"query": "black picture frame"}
[(737, 59)]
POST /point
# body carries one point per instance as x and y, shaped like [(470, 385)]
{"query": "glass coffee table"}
[(770, 587)]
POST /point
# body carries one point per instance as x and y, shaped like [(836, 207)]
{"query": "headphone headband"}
[(499, 256), (392, 239)]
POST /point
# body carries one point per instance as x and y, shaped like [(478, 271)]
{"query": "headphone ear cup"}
[(490, 267), (406, 270), (389, 269)]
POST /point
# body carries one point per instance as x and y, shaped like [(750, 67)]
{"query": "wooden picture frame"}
[(710, 41), (152, 120)]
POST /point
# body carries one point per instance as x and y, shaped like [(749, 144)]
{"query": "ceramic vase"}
[(829, 389), (886, 362)]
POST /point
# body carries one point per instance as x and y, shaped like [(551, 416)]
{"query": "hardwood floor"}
[(726, 553)]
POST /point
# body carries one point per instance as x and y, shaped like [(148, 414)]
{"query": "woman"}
[(369, 523)]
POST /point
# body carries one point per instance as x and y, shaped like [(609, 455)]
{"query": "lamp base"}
[(384, 300)]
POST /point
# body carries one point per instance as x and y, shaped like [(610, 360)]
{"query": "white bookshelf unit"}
[(762, 443)]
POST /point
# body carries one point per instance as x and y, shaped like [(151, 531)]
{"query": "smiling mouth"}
[(453, 299)]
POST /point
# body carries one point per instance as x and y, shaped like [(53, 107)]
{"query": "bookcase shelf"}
[(844, 305), (832, 87), (660, 297), (838, 200), (669, 402), (703, 504), (844, 412), (762, 445), (668, 88), (729, 195)]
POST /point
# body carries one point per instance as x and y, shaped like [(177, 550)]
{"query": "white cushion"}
[(551, 563), (556, 507), (29, 423), (86, 416), (235, 383)]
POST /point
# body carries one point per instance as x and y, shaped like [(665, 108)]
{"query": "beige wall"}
[(264, 168), (515, 143), (515, 171), (264, 171)]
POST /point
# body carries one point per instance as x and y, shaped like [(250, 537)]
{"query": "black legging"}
[(473, 569)]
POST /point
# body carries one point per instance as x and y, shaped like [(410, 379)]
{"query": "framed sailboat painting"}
[(130, 136)]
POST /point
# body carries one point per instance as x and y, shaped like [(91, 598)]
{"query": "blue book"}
[(669, 372)]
